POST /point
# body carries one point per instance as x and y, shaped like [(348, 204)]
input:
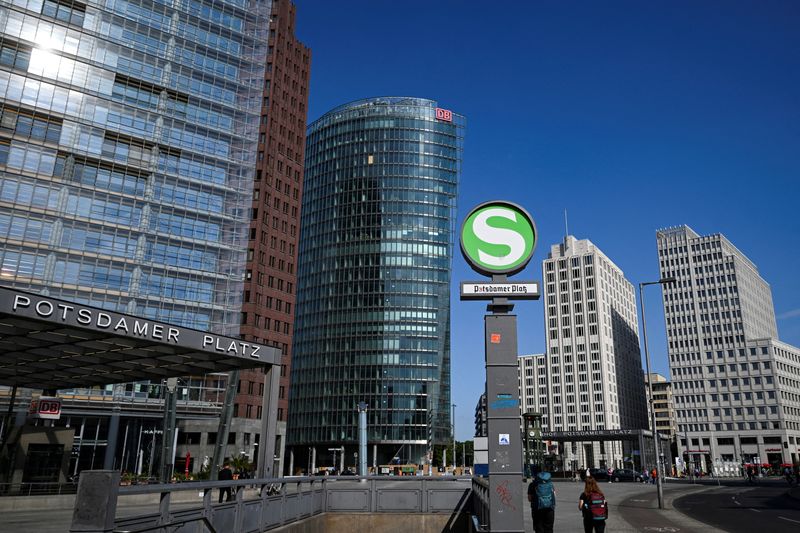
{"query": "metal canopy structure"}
[(598, 435), (49, 343)]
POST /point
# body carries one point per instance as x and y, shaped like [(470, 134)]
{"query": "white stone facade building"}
[(591, 377), (736, 388)]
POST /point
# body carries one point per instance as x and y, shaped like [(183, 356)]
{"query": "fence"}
[(37, 489), (480, 504), (265, 504)]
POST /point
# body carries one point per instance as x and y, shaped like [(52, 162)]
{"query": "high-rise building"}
[(373, 304), (593, 368), (532, 382), (271, 275), (735, 385), (127, 158), (662, 404), (481, 417)]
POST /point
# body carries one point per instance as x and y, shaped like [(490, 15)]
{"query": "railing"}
[(264, 504), (37, 489), (480, 505)]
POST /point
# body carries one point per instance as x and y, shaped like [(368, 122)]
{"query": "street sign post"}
[(497, 240)]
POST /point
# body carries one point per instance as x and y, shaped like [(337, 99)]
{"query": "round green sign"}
[(498, 238)]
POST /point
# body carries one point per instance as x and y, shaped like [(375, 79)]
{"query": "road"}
[(744, 509)]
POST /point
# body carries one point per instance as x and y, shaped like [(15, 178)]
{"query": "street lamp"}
[(656, 440), (453, 415)]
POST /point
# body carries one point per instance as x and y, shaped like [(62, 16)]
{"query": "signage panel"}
[(552, 435), (444, 114), (498, 238), (481, 290), (71, 314), (46, 408)]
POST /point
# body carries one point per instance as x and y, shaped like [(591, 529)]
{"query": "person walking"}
[(225, 475), (593, 505), (654, 476), (542, 496)]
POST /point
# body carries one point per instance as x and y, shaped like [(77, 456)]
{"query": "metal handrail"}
[(203, 519), (37, 489)]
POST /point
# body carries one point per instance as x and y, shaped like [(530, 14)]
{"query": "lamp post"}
[(656, 440), (453, 416)]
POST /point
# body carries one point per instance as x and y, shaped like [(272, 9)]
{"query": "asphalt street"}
[(744, 509)]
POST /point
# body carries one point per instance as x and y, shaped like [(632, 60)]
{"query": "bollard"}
[(96, 502)]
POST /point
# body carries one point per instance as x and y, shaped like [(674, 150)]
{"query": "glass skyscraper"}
[(128, 150), (373, 304)]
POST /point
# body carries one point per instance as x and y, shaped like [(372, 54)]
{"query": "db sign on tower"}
[(444, 114)]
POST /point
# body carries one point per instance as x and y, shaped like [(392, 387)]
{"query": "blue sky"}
[(633, 116)]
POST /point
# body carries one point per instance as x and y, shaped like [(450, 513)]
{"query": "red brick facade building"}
[(270, 284)]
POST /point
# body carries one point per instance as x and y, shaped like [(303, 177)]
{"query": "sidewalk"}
[(628, 504), (570, 520)]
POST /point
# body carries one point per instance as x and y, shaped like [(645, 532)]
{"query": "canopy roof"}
[(47, 343)]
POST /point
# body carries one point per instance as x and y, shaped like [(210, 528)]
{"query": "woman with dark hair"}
[(594, 507)]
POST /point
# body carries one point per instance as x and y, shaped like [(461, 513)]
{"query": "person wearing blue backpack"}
[(542, 496)]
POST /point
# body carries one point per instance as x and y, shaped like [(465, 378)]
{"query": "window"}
[(15, 56), (65, 11)]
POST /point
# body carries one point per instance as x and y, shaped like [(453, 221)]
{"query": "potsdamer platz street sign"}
[(50, 343)]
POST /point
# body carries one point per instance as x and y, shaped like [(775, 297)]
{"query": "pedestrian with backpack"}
[(542, 496), (594, 507)]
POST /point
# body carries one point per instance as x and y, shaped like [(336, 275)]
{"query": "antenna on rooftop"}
[(566, 228)]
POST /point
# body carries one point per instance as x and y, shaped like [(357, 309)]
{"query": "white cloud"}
[(789, 314)]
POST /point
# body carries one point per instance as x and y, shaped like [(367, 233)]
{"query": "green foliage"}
[(204, 474), (240, 463), (462, 449)]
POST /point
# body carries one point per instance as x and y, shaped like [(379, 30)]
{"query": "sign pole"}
[(497, 240), (502, 407)]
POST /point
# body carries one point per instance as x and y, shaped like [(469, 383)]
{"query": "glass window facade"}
[(373, 304), (128, 134)]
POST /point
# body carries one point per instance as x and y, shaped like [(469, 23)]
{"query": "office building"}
[(481, 417), (593, 371), (373, 304), (271, 274), (735, 385), (662, 405), (127, 159), (532, 382)]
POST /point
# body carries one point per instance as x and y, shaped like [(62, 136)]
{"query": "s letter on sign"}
[(444, 114)]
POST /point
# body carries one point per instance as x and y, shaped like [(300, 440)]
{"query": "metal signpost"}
[(497, 240)]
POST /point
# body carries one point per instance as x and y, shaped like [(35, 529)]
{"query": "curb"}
[(678, 518)]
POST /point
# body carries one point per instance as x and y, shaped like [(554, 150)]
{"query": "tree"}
[(240, 463)]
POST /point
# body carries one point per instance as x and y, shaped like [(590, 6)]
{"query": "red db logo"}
[(444, 114), (49, 407)]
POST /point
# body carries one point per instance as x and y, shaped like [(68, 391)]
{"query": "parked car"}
[(624, 474), (600, 474)]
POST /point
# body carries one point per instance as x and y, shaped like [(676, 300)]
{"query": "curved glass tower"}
[(373, 307)]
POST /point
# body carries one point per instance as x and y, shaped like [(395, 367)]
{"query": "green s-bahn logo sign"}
[(498, 238)]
